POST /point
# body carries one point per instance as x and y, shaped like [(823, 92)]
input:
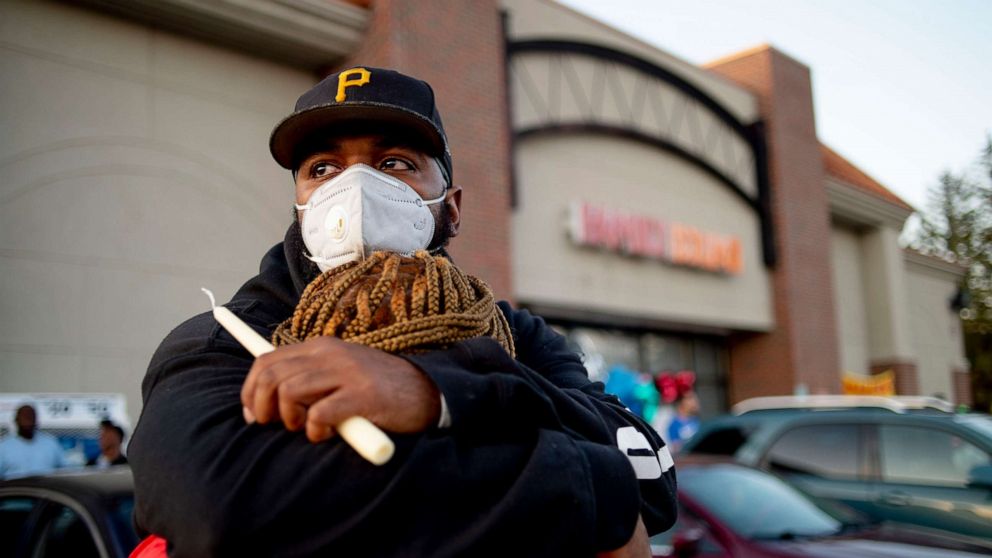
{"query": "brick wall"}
[(803, 346), (907, 378), (961, 380), (458, 48)]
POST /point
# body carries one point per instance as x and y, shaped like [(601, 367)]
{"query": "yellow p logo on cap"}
[(355, 77)]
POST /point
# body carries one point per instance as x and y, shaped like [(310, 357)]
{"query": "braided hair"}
[(398, 304)]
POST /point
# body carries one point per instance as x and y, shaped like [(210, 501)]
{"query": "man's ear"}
[(454, 202)]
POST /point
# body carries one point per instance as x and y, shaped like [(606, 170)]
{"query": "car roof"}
[(894, 404), (79, 483), (760, 419)]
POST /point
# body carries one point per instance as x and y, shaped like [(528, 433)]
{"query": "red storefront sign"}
[(644, 236)]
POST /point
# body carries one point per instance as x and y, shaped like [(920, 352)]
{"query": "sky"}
[(901, 88)]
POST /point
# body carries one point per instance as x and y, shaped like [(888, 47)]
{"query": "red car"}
[(732, 511)]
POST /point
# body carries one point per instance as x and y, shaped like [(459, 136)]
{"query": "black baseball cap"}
[(363, 94)]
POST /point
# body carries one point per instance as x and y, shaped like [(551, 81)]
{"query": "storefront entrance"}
[(649, 354)]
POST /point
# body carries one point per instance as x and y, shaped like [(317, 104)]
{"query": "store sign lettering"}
[(640, 235)]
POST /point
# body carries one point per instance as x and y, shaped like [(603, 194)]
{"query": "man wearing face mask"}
[(494, 454)]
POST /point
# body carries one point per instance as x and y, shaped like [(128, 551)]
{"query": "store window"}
[(634, 363)]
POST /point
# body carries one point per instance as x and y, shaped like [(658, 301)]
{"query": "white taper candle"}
[(364, 437)]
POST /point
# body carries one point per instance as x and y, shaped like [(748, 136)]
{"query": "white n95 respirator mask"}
[(363, 210)]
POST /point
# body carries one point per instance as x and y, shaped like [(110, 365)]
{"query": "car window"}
[(720, 441), (828, 451), (120, 512), (14, 514), (65, 534), (917, 455)]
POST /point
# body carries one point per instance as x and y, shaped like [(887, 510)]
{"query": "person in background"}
[(621, 381), (671, 387), (29, 451), (685, 423), (111, 440), (647, 396)]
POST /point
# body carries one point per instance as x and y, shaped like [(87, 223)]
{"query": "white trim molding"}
[(852, 204), (932, 265)]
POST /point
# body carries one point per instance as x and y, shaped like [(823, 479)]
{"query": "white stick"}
[(364, 437)]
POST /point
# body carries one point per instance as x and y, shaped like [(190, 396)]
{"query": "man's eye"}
[(395, 163), (319, 170)]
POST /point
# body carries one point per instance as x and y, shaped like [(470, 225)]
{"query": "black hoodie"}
[(529, 467)]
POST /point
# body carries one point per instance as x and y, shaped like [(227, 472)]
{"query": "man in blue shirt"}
[(685, 423), (29, 452)]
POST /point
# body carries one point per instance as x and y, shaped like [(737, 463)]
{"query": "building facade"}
[(666, 217)]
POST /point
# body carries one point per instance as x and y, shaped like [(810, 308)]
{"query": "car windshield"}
[(754, 504)]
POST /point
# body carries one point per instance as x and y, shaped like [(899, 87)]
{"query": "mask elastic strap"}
[(301, 207), (438, 199), (326, 261)]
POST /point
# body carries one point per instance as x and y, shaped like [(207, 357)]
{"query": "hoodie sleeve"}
[(212, 485), (548, 387)]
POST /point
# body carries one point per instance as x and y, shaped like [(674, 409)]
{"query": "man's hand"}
[(321, 382)]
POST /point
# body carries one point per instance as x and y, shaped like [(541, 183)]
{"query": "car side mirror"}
[(685, 544), (980, 477)]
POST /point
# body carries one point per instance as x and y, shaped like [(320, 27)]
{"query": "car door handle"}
[(895, 498)]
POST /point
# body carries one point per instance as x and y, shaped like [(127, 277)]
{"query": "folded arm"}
[(212, 484), (547, 386)]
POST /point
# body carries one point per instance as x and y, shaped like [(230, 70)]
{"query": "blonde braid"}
[(398, 304), (433, 291)]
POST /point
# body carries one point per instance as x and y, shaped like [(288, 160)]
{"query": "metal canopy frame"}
[(752, 135)]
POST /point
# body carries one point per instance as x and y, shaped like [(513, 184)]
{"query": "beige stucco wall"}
[(134, 169), (849, 299), (886, 295), (545, 19), (932, 331), (628, 176), (935, 328)]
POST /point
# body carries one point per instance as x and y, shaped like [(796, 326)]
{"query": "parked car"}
[(916, 465), (728, 510), (82, 514)]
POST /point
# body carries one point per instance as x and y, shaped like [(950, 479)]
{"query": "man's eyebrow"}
[(316, 150), (388, 142), (384, 142)]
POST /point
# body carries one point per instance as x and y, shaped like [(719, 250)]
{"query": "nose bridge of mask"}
[(380, 177)]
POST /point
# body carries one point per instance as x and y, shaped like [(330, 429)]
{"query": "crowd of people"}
[(666, 400), (30, 451)]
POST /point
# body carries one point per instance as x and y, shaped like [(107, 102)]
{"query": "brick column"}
[(961, 380), (803, 347), (458, 47), (906, 377)]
